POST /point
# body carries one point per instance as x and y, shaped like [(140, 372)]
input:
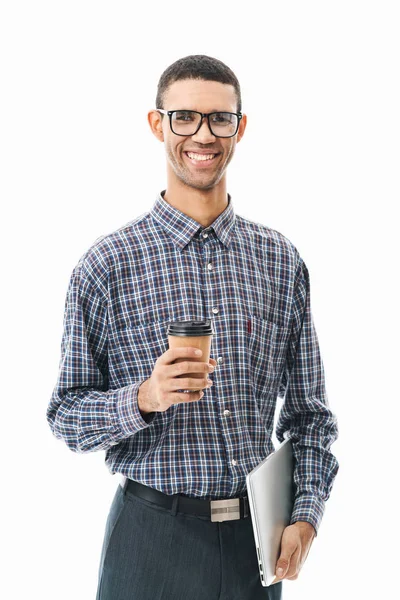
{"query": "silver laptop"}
[(270, 490)]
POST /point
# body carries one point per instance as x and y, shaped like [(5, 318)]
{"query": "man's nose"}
[(204, 133)]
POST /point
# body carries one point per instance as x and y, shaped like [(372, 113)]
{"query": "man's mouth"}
[(201, 160)]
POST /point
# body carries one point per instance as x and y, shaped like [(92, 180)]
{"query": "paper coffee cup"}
[(196, 334)]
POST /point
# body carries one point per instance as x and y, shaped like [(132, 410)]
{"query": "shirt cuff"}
[(308, 508), (129, 416)]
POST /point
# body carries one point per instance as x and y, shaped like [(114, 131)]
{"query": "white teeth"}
[(200, 156)]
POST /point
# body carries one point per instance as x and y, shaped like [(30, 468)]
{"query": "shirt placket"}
[(213, 280)]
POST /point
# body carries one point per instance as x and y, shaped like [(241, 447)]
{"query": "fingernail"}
[(198, 352), (279, 572)]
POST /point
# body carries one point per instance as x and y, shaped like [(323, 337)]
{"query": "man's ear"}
[(155, 121), (242, 127)]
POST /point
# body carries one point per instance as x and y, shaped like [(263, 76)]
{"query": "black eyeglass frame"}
[(239, 115)]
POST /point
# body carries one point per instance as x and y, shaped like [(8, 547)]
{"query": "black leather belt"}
[(217, 510)]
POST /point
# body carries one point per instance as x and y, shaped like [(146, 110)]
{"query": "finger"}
[(294, 569), (178, 397), (180, 352), (187, 366), (189, 383)]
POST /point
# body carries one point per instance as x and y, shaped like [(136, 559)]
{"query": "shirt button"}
[(215, 310), (209, 266), (220, 360), (113, 443), (227, 413), (234, 462), (205, 235)]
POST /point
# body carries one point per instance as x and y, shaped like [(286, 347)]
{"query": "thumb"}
[(282, 565), (288, 548)]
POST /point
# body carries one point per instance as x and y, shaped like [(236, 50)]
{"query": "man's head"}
[(204, 84)]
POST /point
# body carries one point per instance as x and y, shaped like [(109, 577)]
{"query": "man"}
[(181, 452)]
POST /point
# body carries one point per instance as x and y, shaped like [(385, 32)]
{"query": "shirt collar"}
[(182, 228)]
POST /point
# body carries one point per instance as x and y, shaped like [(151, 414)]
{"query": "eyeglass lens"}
[(186, 122)]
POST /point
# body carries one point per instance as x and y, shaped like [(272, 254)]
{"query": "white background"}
[(319, 162)]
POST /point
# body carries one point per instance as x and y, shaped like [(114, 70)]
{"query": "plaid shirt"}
[(251, 281)]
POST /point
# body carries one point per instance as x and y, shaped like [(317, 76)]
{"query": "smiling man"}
[(179, 525)]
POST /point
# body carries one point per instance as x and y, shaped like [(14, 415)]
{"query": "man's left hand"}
[(295, 545)]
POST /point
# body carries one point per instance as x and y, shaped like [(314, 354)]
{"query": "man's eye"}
[(221, 118), (184, 117)]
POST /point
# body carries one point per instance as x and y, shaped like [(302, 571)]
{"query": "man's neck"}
[(204, 206)]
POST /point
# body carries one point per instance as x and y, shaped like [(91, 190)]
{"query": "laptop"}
[(270, 490)]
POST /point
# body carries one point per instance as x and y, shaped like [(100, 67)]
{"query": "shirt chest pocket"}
[(266, 353), (134, 350)]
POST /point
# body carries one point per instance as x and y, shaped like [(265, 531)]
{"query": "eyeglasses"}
[(188, 122)]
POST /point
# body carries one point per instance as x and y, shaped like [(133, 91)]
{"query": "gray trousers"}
[(151, 554)]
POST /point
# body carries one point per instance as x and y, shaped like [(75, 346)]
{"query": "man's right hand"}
[(158, 392)]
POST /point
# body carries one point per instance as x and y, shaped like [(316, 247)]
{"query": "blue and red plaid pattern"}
[(251, 281)]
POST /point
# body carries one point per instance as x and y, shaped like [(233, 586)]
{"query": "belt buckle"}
[(225, 510)]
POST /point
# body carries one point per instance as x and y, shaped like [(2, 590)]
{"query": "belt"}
[(217, 510)]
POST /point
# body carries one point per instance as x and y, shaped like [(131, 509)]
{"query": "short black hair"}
[(197, 66)]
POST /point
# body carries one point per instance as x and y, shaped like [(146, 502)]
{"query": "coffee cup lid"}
[(190, 328)]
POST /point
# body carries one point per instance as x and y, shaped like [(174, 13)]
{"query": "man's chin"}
[(204, 187), (201, 184)]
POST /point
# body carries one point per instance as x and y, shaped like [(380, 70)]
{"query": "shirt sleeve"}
[(83, 411), (305, 413)]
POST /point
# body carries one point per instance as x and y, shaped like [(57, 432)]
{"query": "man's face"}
[(205, 97)]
